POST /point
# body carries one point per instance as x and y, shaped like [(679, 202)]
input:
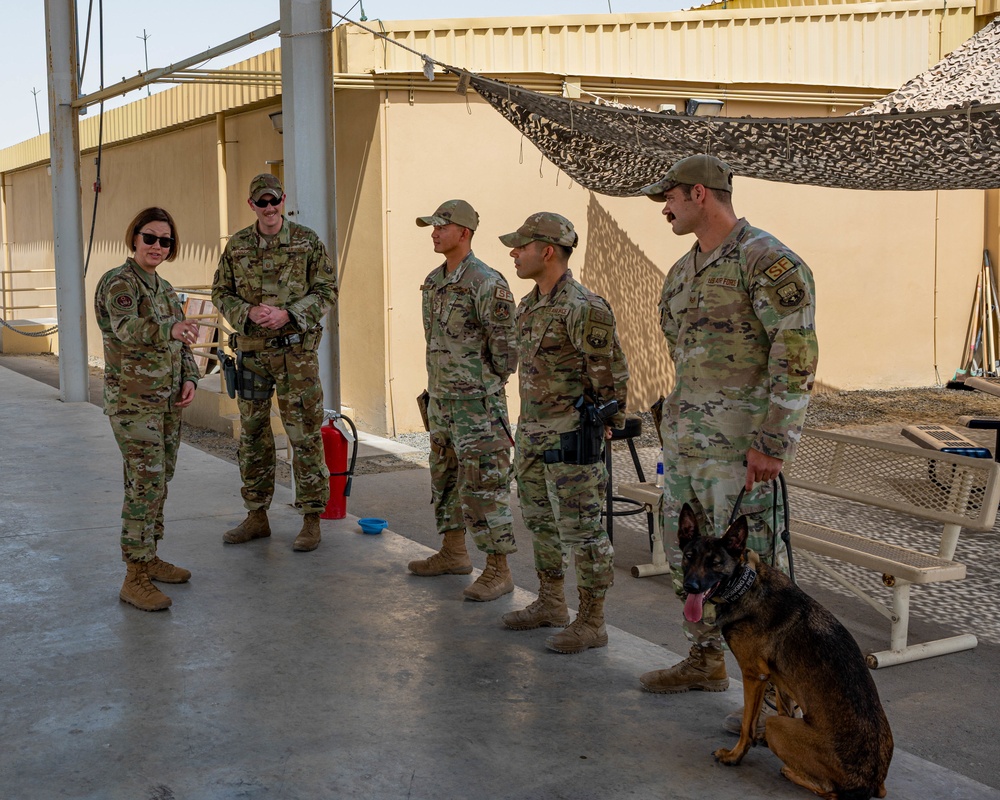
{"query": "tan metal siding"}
[(863, 44)]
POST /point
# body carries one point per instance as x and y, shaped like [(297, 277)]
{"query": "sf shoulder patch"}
[(503, 294), (780, 268)]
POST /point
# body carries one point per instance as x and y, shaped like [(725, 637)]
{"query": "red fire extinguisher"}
[(335, 451)]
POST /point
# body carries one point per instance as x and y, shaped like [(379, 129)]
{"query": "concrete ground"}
[(337, 674)]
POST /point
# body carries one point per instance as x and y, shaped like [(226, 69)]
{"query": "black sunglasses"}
[(264, 202), (148, 239)]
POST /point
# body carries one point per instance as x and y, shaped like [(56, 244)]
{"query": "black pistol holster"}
[(243, 382), (586, 444)]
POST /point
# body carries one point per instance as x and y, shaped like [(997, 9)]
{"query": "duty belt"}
[(248, 345)]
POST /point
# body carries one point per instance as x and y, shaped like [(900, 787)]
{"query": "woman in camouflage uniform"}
[(149, 376)]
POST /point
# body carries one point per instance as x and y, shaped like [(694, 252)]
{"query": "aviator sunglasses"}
[(148, 238), (264, 202)]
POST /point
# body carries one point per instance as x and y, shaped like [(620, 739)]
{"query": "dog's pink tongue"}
[(693, 607)]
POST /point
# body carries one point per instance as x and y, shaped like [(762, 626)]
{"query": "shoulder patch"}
[(601, 316), (780, 268), (503, 294), (123, 301), (791, 294), (598, 337)]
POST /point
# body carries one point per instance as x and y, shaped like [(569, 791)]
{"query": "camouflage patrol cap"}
[(709, 171), (265, 183), (457, 211), (543, 227)]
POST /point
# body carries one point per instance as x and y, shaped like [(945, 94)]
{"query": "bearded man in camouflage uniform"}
[(739, 318), (150, 376), (274, 284), (567, 349), (468, 314)]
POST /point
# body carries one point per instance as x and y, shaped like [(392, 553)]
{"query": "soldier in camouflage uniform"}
[(468, 314), (567, 349), (738, 315), (149, 377), (273, 285)]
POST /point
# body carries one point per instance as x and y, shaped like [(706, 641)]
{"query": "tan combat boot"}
[(548, 611), (139, 591), (451, 559), (255, 526), (165, 572), (494, 581), (704, 669), (308, 538), (586, 631)]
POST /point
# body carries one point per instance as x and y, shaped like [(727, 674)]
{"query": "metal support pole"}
[(67, 218), (5, 297), (222, 179), (308, 141)]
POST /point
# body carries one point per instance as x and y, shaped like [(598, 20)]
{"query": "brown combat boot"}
[(165, 572), (139, 591), (586, 631), (255, 526), (451, 559), (308, 538), (494, 581), (548, 611), (704, 669)]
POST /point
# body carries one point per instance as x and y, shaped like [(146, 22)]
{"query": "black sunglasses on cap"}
[(264, 202), (149, 238)]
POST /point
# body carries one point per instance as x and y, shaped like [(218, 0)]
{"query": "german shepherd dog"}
[(841, 746)]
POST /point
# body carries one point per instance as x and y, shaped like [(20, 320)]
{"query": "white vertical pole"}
[(67, 219), (308, 142)]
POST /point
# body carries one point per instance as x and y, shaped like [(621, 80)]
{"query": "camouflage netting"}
[(939, 131)]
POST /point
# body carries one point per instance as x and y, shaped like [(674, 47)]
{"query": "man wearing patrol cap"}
[(274, 284), (468, 315), (739, 317), (569, 360)]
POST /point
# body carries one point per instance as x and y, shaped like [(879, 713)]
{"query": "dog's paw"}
[(728, 757)]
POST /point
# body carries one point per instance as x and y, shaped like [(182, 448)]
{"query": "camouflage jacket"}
[(469, 327), (292, 272), (741, 331), (567, 347), (144, 368)]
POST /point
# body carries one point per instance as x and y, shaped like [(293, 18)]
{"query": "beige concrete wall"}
[(365, 308), (895, 272)]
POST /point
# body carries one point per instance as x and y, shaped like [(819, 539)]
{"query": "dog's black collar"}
[(739, 584)]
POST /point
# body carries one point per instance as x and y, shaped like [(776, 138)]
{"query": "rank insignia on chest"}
[(597, 337), (124, 301), (791, 294), (779, 268)]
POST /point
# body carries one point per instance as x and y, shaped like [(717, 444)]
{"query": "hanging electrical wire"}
[(100, 130)]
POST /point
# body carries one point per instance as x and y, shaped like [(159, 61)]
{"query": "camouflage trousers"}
[(295, 373), (561, 505), (149, 444), (710, 487), (470, 470)]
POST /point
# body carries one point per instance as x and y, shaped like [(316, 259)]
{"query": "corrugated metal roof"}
[(181, 105)]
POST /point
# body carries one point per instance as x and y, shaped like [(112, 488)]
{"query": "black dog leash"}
[(786, 536)]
